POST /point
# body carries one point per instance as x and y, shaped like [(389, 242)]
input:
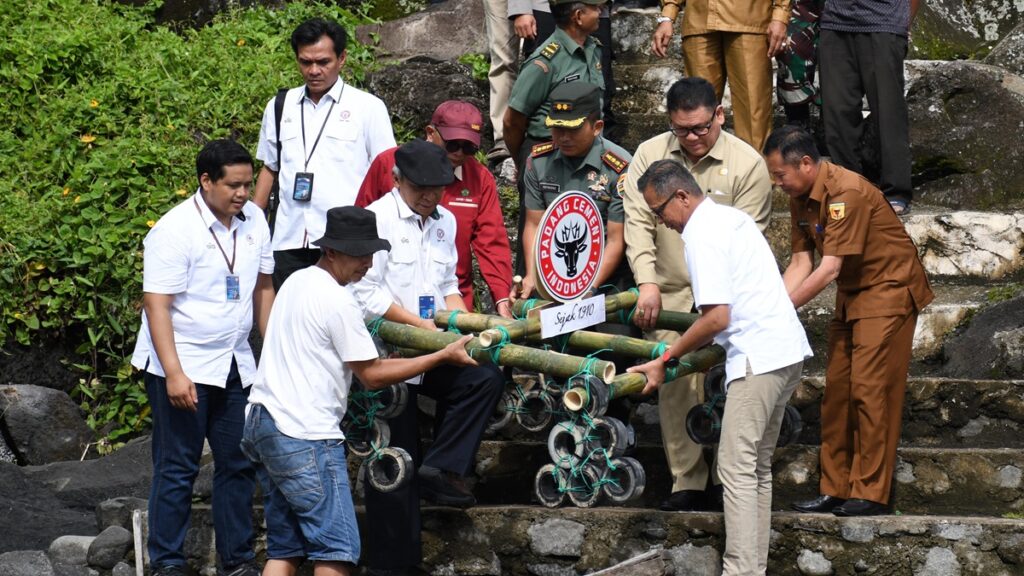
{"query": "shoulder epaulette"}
[(550, 50), (615, 161), (541, 149)]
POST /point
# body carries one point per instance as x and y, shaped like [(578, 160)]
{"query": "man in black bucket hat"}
[(315, 341)]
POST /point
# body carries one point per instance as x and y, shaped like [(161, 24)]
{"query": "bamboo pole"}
[(701, 360), (623, 301), (524, 357)]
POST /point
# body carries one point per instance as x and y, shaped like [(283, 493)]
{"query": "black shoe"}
[(819, 504), (684, 501), (860, 507), (171, 570), (436, 487), (250, 568)]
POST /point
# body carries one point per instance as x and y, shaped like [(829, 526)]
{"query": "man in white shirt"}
[(407, 284), (744, 308), (206, 277), (330, 131), (316, 340)]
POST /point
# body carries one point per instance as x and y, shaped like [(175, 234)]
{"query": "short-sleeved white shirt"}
[(355, 130), (730, 263), (315, 328), (421, 261), (182, 258)]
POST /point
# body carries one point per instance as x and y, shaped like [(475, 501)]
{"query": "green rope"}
[(528, 305), (452, 323), (628, 318), (659, 350), (495, 349), (374, 325)]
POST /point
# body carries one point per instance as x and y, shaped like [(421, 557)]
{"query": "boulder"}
[(986, 245), (83, 485), (118, 511), (43, 425), (31, 517), (109, 547), (951, 29), (25, 563), (413, 89), (1009, 53), (72, 550), (992, 346), (443, 31), (965, 122)]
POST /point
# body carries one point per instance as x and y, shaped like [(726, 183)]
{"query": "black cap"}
[(352, 230), (571, 104), (591, 2), (424, 164)]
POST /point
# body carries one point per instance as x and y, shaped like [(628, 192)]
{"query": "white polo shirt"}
[(315, 328), (182, 258), (356, 127), (421, 262), (730, 263)]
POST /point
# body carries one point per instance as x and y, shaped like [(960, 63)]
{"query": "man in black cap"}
[(315, 341), (407, 285)]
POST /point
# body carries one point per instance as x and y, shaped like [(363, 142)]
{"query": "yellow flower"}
[(17, 315), (181, 192), (66, 191), (88, 138), (150, 223), (94, 103), (39, 266), (240, 43), (77, 198)]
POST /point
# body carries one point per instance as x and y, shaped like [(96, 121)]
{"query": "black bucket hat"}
[(352, 230)]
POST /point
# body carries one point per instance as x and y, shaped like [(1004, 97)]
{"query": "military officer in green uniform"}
[(570, 55), (578, 158)]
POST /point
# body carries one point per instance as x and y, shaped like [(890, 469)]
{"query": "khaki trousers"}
[(862, 411), (742, 60), (504, 48), (675, 399), (754, 408)]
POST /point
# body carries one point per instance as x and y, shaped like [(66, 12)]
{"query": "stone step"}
[(970, 482)]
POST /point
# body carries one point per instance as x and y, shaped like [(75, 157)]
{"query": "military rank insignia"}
[(550, 50), (614, 161), (541, 149), (837, 211)]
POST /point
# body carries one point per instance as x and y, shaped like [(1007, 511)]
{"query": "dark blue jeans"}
[(177, 446)]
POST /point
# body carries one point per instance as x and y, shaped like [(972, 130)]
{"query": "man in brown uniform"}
[(881, 289)]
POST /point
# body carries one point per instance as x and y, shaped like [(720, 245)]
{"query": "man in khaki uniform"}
[(732, 40), (731, 173), (881, 288)]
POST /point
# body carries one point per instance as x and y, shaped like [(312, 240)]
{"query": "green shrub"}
[(103, 114)]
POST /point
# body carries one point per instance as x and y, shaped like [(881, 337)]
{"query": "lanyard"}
[(234, 240), (302, 119)]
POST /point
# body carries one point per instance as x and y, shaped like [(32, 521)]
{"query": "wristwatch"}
[(661, 19), (669, 360)]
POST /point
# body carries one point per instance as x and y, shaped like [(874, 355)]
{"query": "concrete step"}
[(969, 482)]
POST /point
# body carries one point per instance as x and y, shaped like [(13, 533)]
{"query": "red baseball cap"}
[(458, 120)]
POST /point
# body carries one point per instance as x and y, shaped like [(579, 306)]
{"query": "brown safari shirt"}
[(845, 215)]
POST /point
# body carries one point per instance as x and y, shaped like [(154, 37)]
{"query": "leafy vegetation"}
[(479, 63), (104, 112)]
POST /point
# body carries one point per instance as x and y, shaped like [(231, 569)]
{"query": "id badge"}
[(231, 288), (426, 306), (303, 191)]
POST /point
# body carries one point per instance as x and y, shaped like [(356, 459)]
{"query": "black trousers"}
[(466, 398), (287, 262), (854, 65)]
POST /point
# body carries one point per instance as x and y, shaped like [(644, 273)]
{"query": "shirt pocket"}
[(441, 261), (720, 196), (342, 131), (291, 146), (401, 266)]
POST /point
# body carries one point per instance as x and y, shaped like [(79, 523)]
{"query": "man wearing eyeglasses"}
[(731, 173), (472, 197)]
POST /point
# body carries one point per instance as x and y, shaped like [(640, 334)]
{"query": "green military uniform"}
[(559, 61)]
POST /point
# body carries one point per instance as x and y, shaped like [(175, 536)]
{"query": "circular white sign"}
[(569, 246)]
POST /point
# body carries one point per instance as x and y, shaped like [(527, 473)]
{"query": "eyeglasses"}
[(661, 209), (467, 147), (682, 132)]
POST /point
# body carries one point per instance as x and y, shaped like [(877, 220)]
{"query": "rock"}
[(1009, 53), (551, 570), (431, 32), (73, 550), (939, 562), (413, 89), (73, 570), (44, 425), (992, 346), (981, 244), (1011, 549), (31, 517), (122, 569), (109, 547), (25, 563), (690, 560), (858, 532), (83, 485), (118, 511), (202, 488), (557, 537), (962, 159), (813, 564), (949, 29), (957, 532)]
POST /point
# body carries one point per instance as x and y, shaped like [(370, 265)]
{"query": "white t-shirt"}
[(355, 129), (315, 327), (182, 258), (730, 263)]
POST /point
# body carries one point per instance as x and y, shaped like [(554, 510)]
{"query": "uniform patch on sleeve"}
[(620, 186), (616, 162), (542, 66), (541, 149), (837, 211), (550, 50)]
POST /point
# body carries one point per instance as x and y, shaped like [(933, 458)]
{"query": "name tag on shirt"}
[(232, 288)]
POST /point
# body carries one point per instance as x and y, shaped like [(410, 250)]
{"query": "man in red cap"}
[(472, 197)]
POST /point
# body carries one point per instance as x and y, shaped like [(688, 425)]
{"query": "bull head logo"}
[(569, 248)]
